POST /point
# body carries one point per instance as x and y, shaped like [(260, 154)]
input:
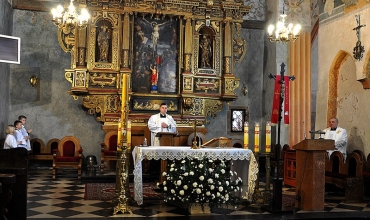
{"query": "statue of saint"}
[(206, 52), (103, 43), (154, 75)]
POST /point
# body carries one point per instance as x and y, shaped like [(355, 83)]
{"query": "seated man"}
[(339, 135)]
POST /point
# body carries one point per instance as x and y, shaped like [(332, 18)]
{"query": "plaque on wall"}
[(141, 104)]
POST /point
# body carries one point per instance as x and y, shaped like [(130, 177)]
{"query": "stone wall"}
[(51, 112), (336, 41), (6, 29)]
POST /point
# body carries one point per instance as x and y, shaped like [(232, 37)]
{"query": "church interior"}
[(89, 85)]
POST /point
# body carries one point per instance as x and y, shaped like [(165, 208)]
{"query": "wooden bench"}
[(346, 174), (14, 161)]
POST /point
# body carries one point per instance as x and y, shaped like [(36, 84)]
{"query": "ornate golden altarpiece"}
[(193, 45)]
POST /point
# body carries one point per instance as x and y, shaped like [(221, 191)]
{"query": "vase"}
[(198, 208)]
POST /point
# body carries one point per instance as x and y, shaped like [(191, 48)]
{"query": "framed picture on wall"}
[(155, 51)]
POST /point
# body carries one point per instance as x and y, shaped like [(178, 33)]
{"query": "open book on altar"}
[(221, 142)]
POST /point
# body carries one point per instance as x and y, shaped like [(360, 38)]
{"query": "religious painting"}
[(155, 55), (139, 104)]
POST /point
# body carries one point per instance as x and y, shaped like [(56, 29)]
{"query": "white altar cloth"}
[(178, 153)]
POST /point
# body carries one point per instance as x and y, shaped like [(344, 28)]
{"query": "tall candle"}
[(257, 137), (268, 137), (246, 133), (129, 134)]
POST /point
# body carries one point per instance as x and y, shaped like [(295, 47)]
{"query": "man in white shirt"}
[(339, 135), (161, 122)]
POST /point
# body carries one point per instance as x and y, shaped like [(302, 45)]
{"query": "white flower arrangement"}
[(201, 181)]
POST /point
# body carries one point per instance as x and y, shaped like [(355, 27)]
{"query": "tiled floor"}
[(64, 198)]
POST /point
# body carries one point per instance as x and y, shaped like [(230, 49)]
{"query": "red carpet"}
[(106, 191)]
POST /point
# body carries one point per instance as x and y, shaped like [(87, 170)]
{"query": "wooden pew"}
[(366, 175), (14, 161), (347, 175)]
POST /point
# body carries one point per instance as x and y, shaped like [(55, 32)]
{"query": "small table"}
[(179, 152)]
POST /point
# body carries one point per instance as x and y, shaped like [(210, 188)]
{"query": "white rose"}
[(178, 182), (218, 194), (212, 187), (186, 174), (191, 173), (220, 188), (182, 192), (172, 165), (164, 174), (164, 183), (216, 175), (200, 165), (185, 187), (210, 170), (195, 184), (210, 181), (172, 191), (201, 178), (171, 169), (208, 193), (227, 183), (165, 188), (222, 171), (199, 191)]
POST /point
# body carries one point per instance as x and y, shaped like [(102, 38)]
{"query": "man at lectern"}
[(339, 135), (161, 122)]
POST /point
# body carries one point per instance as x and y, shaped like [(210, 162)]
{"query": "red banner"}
[(276, 100)]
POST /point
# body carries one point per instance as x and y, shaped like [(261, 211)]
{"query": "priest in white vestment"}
[(161, 122)]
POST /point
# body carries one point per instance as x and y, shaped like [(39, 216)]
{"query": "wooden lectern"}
[(165, 139), (310, 181)]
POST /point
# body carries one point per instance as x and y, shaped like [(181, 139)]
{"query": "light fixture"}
[(283, 33), (70, 18), (33, 80)]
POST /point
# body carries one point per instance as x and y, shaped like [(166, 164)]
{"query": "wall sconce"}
[(33, 80), (244, 90)]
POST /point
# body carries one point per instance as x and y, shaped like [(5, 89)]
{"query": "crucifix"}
[(276, 203), (358, 50)]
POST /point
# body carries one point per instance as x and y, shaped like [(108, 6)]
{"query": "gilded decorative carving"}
[(113, 104), (206, 84), (94, 104), (188, 84), (150, 106), (217, 20), (227, 63), (230, 85), (212, 107), (196, 107), (239, 44), (103, 79), (80, 78)]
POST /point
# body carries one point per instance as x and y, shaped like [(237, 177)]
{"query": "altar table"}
[(177, 153)]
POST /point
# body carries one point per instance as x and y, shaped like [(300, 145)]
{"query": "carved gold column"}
[(122, 183), (300, 90), (227, 49), (81, 53), (125, 40), (188, 45)]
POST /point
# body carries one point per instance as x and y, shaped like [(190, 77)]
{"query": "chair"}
[(109, 151), (39, 150), (52, 145), (68, 154)]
